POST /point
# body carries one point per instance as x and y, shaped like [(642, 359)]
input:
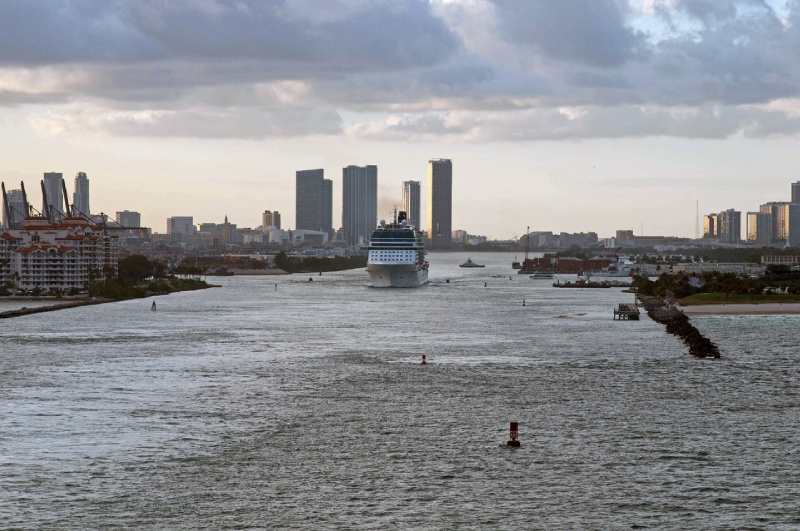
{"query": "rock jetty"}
[(678, 324)]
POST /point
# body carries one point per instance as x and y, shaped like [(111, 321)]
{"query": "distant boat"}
[(470, 263)]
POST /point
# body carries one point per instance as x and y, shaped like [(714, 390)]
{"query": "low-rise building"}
[(784, 260)]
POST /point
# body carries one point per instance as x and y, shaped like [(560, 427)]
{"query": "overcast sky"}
[(566, 115)]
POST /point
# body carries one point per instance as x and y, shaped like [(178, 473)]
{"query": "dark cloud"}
[(377, 34), (592, 32), (478, 69)]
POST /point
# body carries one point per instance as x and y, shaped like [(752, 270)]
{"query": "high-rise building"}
[(778, 212), (729, 228), (270, 220), (411, 202), (17, 209), (327, 206), (266, 220), (624, 235), (710, 226), (55, 195), (129, 219), (308, 199), (80, 197), (759, 228), (359, 203), (796, 192), (439, 222), (180, 226)]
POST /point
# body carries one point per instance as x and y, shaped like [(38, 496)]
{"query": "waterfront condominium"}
[(80, 195), (729, 228), (439, 207), (411, 202), (759, 228), (785, 222), (359, 203), (313, 200), (55, 196), (710, 226)]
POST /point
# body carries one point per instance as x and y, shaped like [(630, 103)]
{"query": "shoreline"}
[(766, 308), (52, 307), (10, 314)]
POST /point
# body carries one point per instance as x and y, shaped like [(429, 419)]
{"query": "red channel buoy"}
[(513, 435)]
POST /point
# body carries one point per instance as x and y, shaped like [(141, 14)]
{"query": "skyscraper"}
[(439, 222), (710, 226), (796, 192), (270, 220), (55, 196), (327, 206), (785, 222), (80, 196), (308, 199), (759, 228), (729, 226), (17, 209), (359, 203), (411, 203)]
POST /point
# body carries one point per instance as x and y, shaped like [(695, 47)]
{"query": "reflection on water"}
[(307, 407)]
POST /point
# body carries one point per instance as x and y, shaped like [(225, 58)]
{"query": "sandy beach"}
[(743, 309)]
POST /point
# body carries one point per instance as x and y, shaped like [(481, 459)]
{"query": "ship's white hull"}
[(397, 276)]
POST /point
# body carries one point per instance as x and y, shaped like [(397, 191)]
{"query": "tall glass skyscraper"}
[(359, 203), (309, 199), (411, 202), (439, 207), (80, 195), (55, 196)]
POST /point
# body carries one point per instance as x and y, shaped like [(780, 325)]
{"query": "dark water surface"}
[(305, 407)]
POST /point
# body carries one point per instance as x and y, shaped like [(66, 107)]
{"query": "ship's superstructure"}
[(397, 256)]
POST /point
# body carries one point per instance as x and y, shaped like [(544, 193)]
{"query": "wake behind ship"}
[(397, 256)]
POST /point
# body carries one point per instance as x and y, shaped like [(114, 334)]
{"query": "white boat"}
[(396, 256)]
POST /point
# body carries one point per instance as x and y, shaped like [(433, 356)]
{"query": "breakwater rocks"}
[(678, 324)]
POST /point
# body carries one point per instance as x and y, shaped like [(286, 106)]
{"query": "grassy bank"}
[(700, 299), (117, 290), (312, 264)]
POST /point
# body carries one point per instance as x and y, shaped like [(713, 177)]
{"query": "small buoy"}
[(276, 286), (320, 273), (310, 279), (485, 284), (153, 307), (447, 281), (513, 435), (424, 360), (523, 301)]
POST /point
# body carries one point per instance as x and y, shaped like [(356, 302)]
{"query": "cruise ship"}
[(397, 256)]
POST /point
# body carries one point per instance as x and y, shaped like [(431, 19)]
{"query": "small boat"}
[(470, 263)]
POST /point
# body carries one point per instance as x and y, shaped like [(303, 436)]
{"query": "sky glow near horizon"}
[(572, 116)]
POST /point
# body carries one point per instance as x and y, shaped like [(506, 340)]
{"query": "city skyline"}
[(566, 115)]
